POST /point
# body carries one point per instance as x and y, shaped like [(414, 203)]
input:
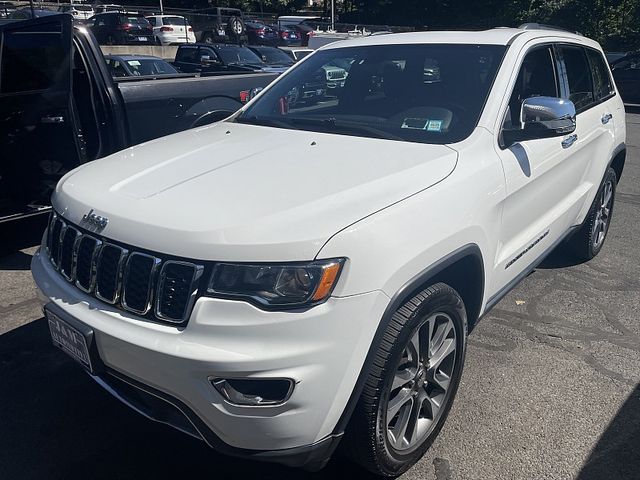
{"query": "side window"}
[(602, 84), (187, 55), (537, 77), (31, 58), (578, 75), (152, 21)]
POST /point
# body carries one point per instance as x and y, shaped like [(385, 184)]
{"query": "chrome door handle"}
[(570, 140), (52, 119), (605, 118)]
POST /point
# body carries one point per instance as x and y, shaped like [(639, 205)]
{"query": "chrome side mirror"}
[(543, 117)]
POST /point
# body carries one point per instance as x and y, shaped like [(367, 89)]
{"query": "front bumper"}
[(322, 349)]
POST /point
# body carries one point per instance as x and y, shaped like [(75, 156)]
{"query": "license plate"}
[(221, 32), (142, 39), (69, 339)]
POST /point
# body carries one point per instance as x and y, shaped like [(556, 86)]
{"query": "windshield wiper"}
[(264, 121), (332, 124)]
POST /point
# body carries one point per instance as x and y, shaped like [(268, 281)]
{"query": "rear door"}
[(595, 120), (38, 139)]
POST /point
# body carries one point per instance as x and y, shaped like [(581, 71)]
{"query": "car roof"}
[(494, 36)]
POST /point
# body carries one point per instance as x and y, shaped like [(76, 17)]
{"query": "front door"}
[(37, 139), (538, 175)]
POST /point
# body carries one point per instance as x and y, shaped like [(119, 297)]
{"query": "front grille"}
[(121, 275)]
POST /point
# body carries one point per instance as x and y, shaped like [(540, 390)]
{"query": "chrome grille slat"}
[(137, 296), (176, 291), (138, 282), (109, 272)]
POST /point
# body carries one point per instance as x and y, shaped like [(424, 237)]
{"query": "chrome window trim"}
[(93, 265), (123, 255), (150, 289), (74, 255), (198, 270)]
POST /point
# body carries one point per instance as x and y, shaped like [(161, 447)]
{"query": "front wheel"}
[(412, 382)]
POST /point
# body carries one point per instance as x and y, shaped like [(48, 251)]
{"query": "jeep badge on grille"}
[(94, 223)]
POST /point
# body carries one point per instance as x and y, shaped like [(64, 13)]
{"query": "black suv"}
[(219, 25), (116, 28)]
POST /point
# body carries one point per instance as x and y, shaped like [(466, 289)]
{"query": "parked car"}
[(115, 28), (261, 34), (272, 56), (138, 65), (289, 36), (111, 7), (296, 53), (80, 11), (219, 25), (6, 8), (62, 108), (171, 29), (626, 72), (303, 25), (25, 13), (206, 58), (291, 278)]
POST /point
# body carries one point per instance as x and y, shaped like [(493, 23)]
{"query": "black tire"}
[(158, 42), (587, 242), (111, 40), (235, 28), (368, 440), (208, 37)]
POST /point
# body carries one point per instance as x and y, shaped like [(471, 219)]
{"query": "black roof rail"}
[(542, 26)]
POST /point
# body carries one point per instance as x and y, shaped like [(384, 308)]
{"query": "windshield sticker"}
[(434, 126), (134, 63), (415, 123)]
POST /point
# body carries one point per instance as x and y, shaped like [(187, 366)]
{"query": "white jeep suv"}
[(299, 275)]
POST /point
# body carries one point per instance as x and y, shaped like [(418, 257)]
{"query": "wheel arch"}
[(463, 270), (618, 159)]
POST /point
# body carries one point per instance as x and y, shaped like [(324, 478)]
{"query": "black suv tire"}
[(370, 438)]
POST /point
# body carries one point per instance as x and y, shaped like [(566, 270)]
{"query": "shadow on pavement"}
[(16, 261), (19, 234), (55, 423), (617, 453)]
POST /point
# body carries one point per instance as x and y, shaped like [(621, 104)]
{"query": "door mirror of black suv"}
[(206, 60), (543, 117)]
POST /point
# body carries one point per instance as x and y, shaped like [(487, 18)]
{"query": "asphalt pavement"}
[(551, 387)]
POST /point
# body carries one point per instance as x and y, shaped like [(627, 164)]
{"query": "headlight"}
[(276, 285)]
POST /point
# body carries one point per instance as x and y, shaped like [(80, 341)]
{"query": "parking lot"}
[(550, 389)]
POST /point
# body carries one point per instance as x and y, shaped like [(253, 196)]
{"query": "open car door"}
[(38, 138)]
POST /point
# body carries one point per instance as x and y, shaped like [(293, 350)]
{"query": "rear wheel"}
[(208, 37), (235, 28), (589, 239), (413, 380)]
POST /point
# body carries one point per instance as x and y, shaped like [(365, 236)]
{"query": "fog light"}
[(253, 391)]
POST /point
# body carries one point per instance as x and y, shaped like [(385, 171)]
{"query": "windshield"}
[(83, 8), (150, 66), (232, 54), (431, 93), (274, 56)]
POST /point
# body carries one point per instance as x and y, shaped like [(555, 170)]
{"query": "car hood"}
[(251, 193)]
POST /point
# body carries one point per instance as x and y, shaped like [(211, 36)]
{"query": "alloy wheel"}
[(603, 215), (421, 382)]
